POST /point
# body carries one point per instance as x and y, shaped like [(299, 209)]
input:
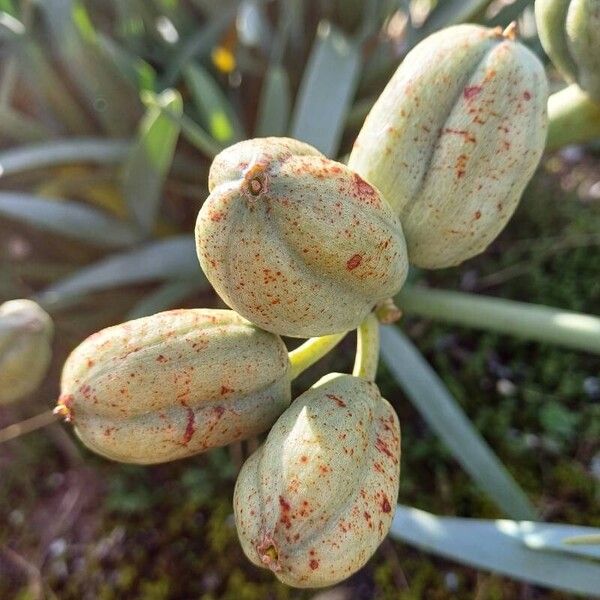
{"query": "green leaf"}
[(173, 258), (150, 159), (510, 12), (528, 321), (443, 414), (58, 152), (498, 546), (274, 104), (326, 90), (166, 296), (216, 113), (451, 12), (71, 219)]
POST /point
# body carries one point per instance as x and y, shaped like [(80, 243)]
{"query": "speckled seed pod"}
[(454, 138), (314, 502), (295, 242), (174, 384), (26, 332), (570, 34)]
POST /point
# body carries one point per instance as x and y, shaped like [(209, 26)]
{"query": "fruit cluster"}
[(299, 245)]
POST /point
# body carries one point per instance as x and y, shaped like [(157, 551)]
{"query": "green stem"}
[(529, 321), (572, 118), (367, 349), (312, 351)]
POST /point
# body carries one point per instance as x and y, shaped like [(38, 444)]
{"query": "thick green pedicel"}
[(295, 242), (174, 384), (570, 34), (26, 332), (316, 500), (453, 140)]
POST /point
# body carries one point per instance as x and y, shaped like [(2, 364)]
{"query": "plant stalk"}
[(573, 118), (529, 321), (312, 351), (367, 349), (28, 425)]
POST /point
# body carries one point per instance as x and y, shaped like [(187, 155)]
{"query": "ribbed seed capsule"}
[(174, 384), (314, 502), (570, 34), (454, 138), (26, 332), (297, 243)]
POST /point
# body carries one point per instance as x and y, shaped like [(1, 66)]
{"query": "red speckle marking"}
[(190, 427), (304, 458), (215, 216), (225, 390), (285, 505), (285, 509), (362, 186), (337, 400), (527, 95), (161, 359), (90, 363), (477, 215), (219, 410), (354, 261), (314, 564), (385, 505), (471, 91), (383, 447)]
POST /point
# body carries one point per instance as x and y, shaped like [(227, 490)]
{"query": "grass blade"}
[(451, 12), (326, 90), (528, 321), (71, 219), (214, 109), (150, 159), (172, 258), (57, 152), (493, 545), (443, 414), (275, 103), (508, 13), (166, 296)]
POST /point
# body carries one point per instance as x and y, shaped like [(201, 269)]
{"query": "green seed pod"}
[(454, 138), (297, 243), (570, 34), (26, 332), (314, 502), (174, 384)]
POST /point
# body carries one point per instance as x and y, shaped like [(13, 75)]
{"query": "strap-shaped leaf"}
[(71, 219), (327, 89), (451, 12), (166, 296), (173, 258), (443, 414), (150, 160), (497, 546), (274, 104)]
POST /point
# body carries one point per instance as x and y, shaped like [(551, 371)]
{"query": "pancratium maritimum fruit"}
[(454, 138), (570, 34), (314, 502), (295, 242), (26, 332), (174, 384)]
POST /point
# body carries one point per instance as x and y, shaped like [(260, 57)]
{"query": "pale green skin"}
[(454, 139), (311, 253), (570, 34), (26, 332), (316, 500), (174, 384)]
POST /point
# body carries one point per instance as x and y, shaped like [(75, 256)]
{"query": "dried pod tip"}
[(511, 32), (387, 312), (256, 179), (269, 555), (63, 408)]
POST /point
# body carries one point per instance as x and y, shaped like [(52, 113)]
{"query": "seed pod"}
[(295, 242), (314, 502), (570, 34), (454, 138), (26, 332), (174, 384)]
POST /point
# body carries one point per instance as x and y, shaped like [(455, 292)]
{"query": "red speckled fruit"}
[(174, 384), (454, 138), (297, 243), (314, 502)]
